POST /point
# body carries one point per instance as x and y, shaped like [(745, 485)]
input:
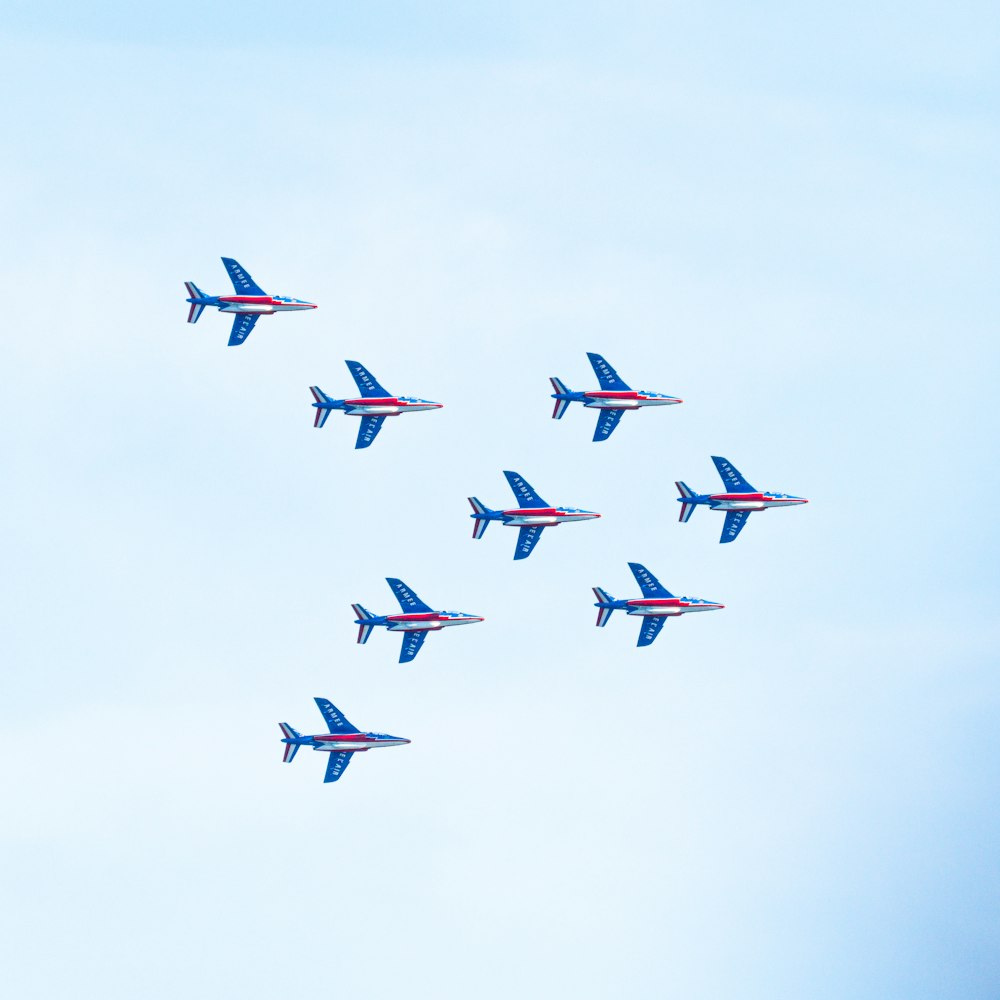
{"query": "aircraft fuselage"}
[(600, 399), (544, 516), (427, 621), (353, 742), (264, 305), (659, 607), (389, 406), (751, 501)]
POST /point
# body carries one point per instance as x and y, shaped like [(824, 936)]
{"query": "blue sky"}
[(785, 216)]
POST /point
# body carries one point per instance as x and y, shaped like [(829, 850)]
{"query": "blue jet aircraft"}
[(343, 740), (655, 606), (739, 501), (373, 407), (249, 303), (611, 400), (415, 622), (531, 518)]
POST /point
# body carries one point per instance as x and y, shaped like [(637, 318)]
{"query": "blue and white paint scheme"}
[(341, 743), (655, 606), (249, 303), (415, 622), (611, 400), (373, 406), (531, 518), (738, 501)]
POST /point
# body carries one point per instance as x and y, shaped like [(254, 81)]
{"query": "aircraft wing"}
[(735, 519), (412, 641), (367, 385), (368, 431), (242, 282), (606, 423), (731, 476), (337, 765), (408, 601), (606, 375), (527, 539), (650, 630), (523, 492), (651, 587), (335, 721), (242, 325)]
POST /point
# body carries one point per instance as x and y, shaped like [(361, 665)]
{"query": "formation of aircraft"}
[(531, 518), (611, 400), (249, 302), (655, 606), (373, 407), (531, 515), (416, 620), (341, 743), (739, 500)]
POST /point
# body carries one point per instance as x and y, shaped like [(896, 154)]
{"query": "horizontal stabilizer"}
[(603, 613), (195, 312), (560, 408), (363, 616), (482, 523), (687, 509), (291, 749)]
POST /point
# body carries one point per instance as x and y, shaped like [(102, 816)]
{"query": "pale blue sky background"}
[(785, 214)]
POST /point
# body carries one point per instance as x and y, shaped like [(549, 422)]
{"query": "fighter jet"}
[(415, 622), (373, 407), (249, 303), (344, 740), (532, 517), (611, 400), (740, 500), (655, 606)]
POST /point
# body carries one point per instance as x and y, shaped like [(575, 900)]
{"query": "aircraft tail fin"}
[(363, 616), (321, 412), (561, 390), (687, 509), (605, 605), (291, 749), (482, 521), (194, 292)]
